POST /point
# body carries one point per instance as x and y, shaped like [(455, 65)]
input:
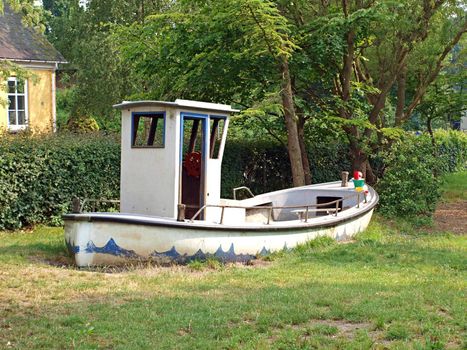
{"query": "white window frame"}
[(16, 126)]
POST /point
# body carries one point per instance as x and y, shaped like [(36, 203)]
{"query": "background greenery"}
[(39, 175), (361, 66)]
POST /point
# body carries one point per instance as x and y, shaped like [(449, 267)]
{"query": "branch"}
[(359, 72), (337, 87), (263, 31), (264, 124), (424, 83)]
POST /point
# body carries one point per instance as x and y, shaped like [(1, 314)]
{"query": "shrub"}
[(264, 166), (452, 149), (411, 182), (410, 186), (39, 175)]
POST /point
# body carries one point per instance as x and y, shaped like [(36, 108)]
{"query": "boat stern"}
[(77, 234)]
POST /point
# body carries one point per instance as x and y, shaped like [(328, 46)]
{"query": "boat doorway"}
[(193, 156)]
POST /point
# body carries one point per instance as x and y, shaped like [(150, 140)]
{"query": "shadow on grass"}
[(50, 253)]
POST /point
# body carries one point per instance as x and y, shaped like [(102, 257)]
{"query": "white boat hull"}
[(107, 239)]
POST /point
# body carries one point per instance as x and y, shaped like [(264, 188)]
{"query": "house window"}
[(148, 130), (17, 104)]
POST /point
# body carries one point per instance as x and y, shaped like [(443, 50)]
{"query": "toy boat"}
[(170, 205)]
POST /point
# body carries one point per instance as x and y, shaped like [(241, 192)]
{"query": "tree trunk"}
[(359, 159), (430, 131), (401, 85), (293, 144), (305, 160), (370, 176)]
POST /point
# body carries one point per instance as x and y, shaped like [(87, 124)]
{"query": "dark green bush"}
[(264, 166), (452, 149), (411, 182), (39, 175)]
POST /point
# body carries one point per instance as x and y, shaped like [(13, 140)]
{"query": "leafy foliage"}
[(97, 75), (452, 148), (263, 166), (33, 16), (40, 175), (411, 182)]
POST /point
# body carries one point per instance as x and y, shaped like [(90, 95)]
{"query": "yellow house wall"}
[(40, 102), (40, 108)]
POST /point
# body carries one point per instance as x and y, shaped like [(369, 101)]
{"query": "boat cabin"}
[(171, 154)]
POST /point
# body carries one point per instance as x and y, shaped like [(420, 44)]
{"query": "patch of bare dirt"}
[(346, 329), (260, 263), (451, 217)]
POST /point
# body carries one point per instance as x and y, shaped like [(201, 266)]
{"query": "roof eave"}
[(19, 60), (177, 104)]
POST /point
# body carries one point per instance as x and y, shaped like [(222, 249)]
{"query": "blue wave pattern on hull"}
[(72, 249), (110, 248), (225, 256), (264, 252)]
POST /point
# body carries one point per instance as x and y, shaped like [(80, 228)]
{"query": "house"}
[(30, 102)]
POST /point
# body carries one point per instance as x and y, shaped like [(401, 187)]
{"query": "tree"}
[(445, 100), (219, 50), (362, 65), (361, 49), (97, 75)]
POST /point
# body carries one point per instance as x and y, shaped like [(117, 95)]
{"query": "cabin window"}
[(17, 104), (148, 130), (217, 129)]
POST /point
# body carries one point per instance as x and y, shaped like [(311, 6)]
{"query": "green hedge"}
[(265, 166), (39, 175), (452, 149), (411, 184)]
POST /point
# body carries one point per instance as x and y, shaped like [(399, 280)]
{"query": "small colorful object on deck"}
[(358, 181)]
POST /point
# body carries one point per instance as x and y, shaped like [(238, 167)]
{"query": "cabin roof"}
[(196, 105), (21, 43)]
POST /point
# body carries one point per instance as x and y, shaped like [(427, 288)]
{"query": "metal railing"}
[(236, 189), (78, 206), (306, 208)]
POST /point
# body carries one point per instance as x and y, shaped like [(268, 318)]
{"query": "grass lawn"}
[(455, 186), (393, 287)]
